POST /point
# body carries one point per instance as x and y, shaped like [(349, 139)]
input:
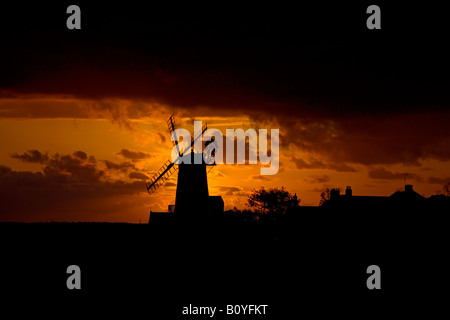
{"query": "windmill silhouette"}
[(192, 197)]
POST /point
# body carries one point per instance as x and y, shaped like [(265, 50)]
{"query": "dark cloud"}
[(70, 168), (441, 181), (231, 65), (77, 167), (330, 79), (231, 191), (69, 188), (383, 174), (80, 155), (134, 155), (170, 184), (34, 156), (138, 175), (317, 164), (341, 167), (347, 99), (260, 178), (312, 164), (123, 166), (18, 105), (368, 140), (318, 179), (162, 137)]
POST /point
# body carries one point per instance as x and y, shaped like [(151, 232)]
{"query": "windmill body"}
[(192, 187)]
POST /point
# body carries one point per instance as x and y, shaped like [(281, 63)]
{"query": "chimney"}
[(348, 191), (408, 187), (335, 193)]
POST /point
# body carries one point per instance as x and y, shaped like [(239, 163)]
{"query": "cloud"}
[(312, 164), (162, 137), (170, 184), (383, 174), (326, 107), (33, 106), (372, 139), (138, 175), (71, 168), (231, 191), (79, 167), (318, 179), (342, 167), (34, 156), (123, 166), (260, 178), (299, 78), (80, 155), (317, 164), (436, 180), (70, 187), (119, 111), (134, 155)]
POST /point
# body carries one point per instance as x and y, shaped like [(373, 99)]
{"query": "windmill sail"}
[(168, 167), (161, 176), (171, 126), (204, 128)]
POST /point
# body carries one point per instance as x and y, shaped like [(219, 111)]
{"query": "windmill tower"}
[(192, 199)]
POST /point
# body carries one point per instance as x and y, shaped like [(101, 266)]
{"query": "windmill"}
[(192, 196)]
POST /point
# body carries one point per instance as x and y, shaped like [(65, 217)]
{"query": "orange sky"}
[(128, 149)]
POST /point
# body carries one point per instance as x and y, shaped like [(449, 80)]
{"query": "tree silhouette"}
[(446, 189), (273, 200), (324, 196)]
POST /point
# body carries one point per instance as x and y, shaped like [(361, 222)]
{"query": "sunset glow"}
[(128, 141), (83, 113)]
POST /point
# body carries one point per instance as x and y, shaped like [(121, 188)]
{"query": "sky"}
[(83, 112)]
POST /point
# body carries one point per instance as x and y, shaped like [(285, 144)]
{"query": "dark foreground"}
[(306, 265)]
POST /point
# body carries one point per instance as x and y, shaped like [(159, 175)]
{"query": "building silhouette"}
[(349, 201)]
